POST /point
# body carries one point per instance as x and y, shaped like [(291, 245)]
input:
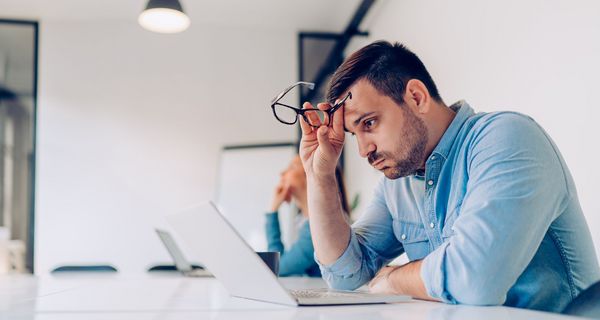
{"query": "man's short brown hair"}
[(388, 67)]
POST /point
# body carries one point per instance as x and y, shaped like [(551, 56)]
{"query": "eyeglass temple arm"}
[(285, 105), (310, 85)]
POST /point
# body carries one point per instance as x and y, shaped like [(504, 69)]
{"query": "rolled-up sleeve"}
[(372, 244), (516, 188)]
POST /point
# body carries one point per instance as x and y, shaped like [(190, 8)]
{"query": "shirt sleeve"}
[(299, 257), (517, 187), (372, 245), (273, 232)]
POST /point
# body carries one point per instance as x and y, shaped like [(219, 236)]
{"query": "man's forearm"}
[(329, 229), (407, 280)]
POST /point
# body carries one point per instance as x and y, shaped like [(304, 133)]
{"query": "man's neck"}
[(440, 119)]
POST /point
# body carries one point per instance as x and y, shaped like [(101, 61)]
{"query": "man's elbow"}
[(479, 296)]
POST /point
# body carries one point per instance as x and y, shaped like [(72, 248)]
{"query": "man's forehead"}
[(352, 111), (356, 106)]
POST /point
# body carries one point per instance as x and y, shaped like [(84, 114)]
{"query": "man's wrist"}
[(392, 282), (406, 280), (321, 178)]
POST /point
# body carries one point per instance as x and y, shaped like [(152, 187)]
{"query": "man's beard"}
[(414, 138)]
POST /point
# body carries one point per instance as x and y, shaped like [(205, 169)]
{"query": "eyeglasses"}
[(314, 117)]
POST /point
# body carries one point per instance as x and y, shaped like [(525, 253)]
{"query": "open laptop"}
[(180, 261), (240, 269)]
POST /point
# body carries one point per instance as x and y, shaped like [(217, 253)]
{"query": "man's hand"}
[(321, 147), (320, 151), (381, 283)]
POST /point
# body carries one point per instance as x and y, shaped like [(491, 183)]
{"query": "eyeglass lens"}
[(288, 115), (314, 117)]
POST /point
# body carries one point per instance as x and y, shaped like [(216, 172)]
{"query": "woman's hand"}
[(281, 194)]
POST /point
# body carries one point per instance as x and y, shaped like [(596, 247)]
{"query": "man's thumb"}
[(323, 138)]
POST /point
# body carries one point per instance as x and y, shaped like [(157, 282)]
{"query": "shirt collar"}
[(463, 112)]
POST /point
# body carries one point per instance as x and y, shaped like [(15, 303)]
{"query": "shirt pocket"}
[(414, 240)]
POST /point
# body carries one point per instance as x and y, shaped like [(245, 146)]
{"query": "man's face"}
[(392, 137)]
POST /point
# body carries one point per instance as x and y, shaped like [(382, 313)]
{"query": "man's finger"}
[(306, 128), (338, 120), (323, 106), (323, 138), (313, 118)]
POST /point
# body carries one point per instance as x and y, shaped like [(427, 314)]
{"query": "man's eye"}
[(369, 123)]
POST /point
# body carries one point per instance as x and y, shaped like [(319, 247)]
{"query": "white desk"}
[(170, 296)]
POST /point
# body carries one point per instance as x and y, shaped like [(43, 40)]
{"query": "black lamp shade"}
[(167, 4), (164, 16)]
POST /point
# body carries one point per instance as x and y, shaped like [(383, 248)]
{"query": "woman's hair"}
[(339, 178)]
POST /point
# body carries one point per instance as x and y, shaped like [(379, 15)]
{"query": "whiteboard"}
[(248, 175)]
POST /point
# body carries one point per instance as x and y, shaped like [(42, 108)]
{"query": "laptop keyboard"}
[(323, 293)]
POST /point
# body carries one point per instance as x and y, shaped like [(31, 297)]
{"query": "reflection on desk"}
[(177, 297)]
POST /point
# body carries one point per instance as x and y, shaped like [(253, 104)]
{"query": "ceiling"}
[(305, 15), (328, 15)]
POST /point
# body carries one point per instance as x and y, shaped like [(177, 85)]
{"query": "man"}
[(483, 204)]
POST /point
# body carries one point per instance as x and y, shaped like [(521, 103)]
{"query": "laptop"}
[(241, 271), (181, 263)]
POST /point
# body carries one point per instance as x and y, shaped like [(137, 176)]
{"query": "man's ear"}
[(417, 93)]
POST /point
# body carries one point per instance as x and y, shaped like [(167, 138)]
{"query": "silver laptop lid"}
[(225, 254), (180, 262)]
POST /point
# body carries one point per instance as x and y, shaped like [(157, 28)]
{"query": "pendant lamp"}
[(164, 16)]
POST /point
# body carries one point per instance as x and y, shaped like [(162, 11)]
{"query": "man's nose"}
[(365, 148)]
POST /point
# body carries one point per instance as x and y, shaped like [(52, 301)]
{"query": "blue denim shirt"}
[(495, 218)]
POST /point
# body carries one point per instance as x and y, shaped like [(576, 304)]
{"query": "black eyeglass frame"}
[(301, 112)]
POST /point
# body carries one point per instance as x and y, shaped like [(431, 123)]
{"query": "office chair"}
[(169, 267), (586, 304), (85, 268)]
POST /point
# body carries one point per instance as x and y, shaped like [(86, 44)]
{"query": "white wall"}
[(130, 126), (537, 57), (130, 122)]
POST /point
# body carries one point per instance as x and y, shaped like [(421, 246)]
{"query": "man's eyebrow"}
[(364, 115)]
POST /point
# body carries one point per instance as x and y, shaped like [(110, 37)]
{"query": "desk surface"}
[(170, 296)]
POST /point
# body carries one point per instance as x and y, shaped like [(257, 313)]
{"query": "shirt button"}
[(403, 237), (432, 157), (430, 182), (432, 225)]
